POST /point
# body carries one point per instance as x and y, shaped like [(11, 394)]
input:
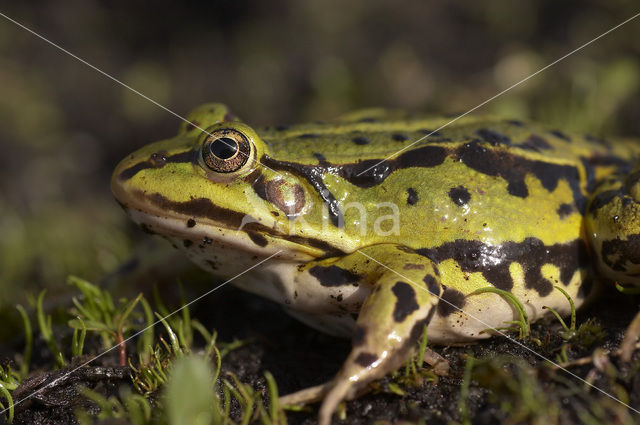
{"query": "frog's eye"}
[(226, 150)]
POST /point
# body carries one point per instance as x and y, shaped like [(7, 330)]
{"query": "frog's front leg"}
[(613, 225), (404, 292)]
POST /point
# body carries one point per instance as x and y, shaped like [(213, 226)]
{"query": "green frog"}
[(381, 223)]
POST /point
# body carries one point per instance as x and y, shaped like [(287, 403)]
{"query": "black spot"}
[(459, 195), (564, 210), (308, 136), (516, 123), (191, 222), (493, 261), (360, 140), (365, 359), (428, 132), (359, 334), (432, 284), (405, 301), (399, 137), (560, 135), (412, 196), (332, 276), (494, 137), (187, 243), (258, 239), (617, 253), (282, 127), (535, 143), (451, 301), (320, 157), (369, 119)]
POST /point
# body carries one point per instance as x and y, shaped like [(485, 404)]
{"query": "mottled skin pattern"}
[(376, 250)]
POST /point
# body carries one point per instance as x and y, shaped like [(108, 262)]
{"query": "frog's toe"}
[(306, 396), (341, 390)]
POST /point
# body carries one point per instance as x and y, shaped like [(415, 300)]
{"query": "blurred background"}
[(63, 126)]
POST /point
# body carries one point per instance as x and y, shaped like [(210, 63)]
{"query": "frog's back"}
[(471, 180)]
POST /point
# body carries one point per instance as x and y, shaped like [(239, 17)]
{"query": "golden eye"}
[(226, 150)]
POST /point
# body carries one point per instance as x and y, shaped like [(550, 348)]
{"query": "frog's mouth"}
[(200, 221)]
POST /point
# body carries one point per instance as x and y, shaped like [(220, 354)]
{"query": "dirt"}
[(299, 357)]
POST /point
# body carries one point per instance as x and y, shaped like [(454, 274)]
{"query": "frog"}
[(380, 225)]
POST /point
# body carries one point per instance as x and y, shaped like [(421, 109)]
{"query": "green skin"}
[(399, 244)]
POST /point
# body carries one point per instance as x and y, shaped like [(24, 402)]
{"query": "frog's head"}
[(209, 191)]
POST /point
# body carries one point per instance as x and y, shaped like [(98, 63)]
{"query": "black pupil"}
[(224, 147)]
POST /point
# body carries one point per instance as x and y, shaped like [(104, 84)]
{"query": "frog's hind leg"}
[(613, 225), (401, 303)]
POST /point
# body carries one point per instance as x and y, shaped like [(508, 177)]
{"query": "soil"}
[(299, 357)]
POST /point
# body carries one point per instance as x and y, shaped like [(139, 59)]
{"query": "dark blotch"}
[(191, 222), (432, 284), (535, 143), (187, 243), (428, 132), (320, 157), (258, 239), (450, 302), (494, 137), (360, 140), (412, 196), (365, 359), (560, 135), (564, 210), (332, 276), (399, 137), (406, 302), (460, 195), (308, 136), (514, 168)]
